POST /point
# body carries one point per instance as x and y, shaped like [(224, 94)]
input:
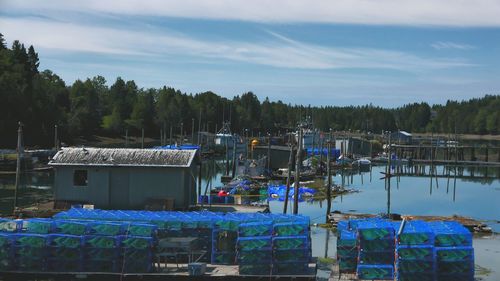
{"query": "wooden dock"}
[(169, 271), (475, 226)]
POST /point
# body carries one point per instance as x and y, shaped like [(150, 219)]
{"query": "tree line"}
[(41, 100)]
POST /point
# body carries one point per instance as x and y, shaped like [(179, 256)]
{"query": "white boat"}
[(362, 162)]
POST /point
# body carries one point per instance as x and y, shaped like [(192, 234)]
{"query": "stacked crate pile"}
[(415, 256), (254, 252), (347, 248), (291, 247), (137, 247), (102, 247), (376, 249), (454, 252)]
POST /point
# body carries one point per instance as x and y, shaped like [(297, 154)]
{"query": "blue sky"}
[(343, 52)]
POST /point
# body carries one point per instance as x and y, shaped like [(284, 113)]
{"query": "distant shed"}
[(401, 137), (125, 178)]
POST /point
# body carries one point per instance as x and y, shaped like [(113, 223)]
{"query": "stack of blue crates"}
[(137, 253), (454, 252), (84, 240), (376, 249), (291, 248), (254, 252), (347, 248), (415, 256)]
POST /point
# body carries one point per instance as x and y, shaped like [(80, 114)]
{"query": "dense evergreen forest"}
[(90, 107)]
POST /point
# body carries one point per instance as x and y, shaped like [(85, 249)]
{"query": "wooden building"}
[(125, 178)]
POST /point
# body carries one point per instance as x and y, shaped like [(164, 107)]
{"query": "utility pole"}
[(288, 179), (142, 138), (199, 128), (20, 154), (192, 131), (269, 152), (182, 133), (170, 135), (56, 139), (297, 175), (126, 138)]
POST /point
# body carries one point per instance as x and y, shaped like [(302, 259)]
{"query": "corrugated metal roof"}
[(86, 156)]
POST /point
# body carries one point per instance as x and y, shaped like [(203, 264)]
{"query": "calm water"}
[(473, 192)]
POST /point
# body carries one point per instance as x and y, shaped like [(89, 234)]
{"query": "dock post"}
[(329, 174), (297, 175), (20, 152), (233, 173), (199, 180), (288, 179)]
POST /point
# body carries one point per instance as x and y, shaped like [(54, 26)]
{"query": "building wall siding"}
[(127, 187)]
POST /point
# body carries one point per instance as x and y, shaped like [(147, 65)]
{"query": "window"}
[(80, 178)]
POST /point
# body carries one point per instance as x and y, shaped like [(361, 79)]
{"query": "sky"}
[(332, 52)]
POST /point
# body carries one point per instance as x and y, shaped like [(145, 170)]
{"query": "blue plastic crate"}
[(9, 226), (30, 264), (105, 228), (291, 242), (378, 245), (65, 253), (136, 242), (101, 266), (375, 271), (449, 234), (69, 227), (454, 254), (416, 252), (342, 225), (64, 265), (415, 266), (137, 254), (252, 229), (64, 240), (347, 239), (36, 226), (455, 267), (348, 265), (416, 233), (375, 229), (293, 255), (347, 252), (29, 240), (104, 242), (255, 257), (101, 254), (254, 243), (376, 257), (141, 229), (291, 229)]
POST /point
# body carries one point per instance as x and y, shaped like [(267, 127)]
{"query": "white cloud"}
[(451, 45), (277, 51), (377, 12)]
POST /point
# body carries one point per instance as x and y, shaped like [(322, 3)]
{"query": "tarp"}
[(277, 192)]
